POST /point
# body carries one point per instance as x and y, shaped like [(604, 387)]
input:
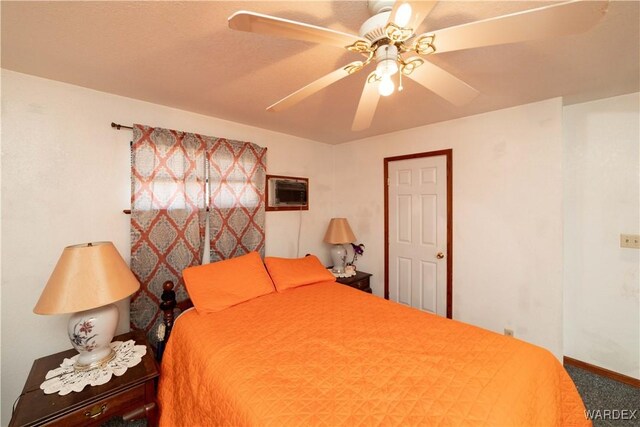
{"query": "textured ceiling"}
[(182, 54)]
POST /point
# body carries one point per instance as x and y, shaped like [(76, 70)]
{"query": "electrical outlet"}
[(630, 241), (508, 332)]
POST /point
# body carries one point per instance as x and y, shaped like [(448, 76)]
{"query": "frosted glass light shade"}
[(403, 14), (386, 86)]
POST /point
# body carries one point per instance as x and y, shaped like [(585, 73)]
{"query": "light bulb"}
[(386, 86), (403, 14)]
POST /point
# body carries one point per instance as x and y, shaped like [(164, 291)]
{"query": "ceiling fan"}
[(390, 40)]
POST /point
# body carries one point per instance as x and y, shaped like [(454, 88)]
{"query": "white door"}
[(418, 233)]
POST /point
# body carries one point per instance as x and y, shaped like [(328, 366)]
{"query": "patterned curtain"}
[(236, 190), (168, 173)]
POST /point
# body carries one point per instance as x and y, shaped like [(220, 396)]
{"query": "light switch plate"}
[(630, 241)]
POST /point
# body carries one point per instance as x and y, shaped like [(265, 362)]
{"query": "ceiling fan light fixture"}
[(403, 15), (387, 67), (387, 59), (389, 34)]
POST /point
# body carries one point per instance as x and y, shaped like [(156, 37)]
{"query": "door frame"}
[(448, 153)]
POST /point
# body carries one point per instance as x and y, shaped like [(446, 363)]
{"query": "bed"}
[(327, 354)]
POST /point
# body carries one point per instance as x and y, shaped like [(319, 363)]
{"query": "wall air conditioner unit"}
[(287, 193)]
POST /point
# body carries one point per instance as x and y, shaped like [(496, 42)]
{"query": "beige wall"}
[(507, 213), (602, 200), (65, 180)]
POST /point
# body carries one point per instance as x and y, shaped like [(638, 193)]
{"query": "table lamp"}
[(87, 280), (337, 234)]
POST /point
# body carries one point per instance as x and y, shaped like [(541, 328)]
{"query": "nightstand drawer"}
[(104, 409), (360, 284), (360, 281)]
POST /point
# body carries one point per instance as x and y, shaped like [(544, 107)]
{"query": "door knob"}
[(440, 255)]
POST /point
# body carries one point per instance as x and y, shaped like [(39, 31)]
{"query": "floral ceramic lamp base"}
[(338, 256), (91, 332)]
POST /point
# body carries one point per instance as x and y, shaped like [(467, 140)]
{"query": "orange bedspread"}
[(327, 354)]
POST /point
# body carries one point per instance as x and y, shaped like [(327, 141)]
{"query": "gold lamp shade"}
[(339, 232), (87, 276)]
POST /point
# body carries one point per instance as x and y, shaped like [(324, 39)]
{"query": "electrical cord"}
[(15, 403), (299, 232)]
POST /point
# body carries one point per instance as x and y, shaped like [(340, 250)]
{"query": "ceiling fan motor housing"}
[(373, 28), (377, 6)]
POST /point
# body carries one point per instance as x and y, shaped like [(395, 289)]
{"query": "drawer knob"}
[(95, 412)]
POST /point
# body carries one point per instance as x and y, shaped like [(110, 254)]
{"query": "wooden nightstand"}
[(131, 395), (359, 281)]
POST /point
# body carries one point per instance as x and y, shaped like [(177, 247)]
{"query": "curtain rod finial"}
[(118, 126)]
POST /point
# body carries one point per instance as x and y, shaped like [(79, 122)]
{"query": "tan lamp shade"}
[(339, 232), (87, 276)]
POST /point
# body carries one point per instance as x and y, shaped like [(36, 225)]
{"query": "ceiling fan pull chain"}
[(400, 82)]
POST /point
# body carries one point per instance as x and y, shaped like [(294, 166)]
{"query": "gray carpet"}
[(600, 393), (119, 422)]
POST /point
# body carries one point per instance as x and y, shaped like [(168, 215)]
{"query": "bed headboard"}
[(168, 306)]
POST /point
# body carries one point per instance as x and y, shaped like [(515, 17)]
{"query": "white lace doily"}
[(343, 275), (65, 379)]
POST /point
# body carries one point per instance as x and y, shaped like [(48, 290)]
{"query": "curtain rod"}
[(128, 211), (119, 126)]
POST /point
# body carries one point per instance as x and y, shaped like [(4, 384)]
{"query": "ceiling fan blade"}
[(367, 105), (273, 26), (443, 84), (556, 20), (316, 86), (410, 14)]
